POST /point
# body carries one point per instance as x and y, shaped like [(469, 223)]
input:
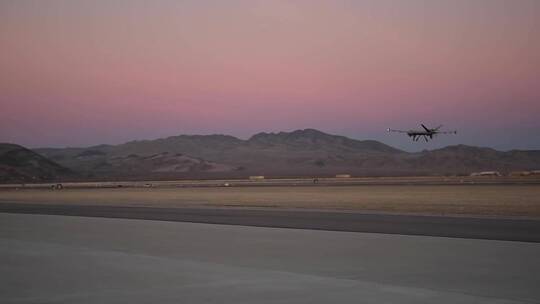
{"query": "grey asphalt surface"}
[(526, 230), (67, 259)]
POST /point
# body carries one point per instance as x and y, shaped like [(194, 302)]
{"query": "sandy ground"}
[(63, 259), (491, 200)]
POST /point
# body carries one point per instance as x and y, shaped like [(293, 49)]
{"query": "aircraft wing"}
[(398, 131), (447, 132)]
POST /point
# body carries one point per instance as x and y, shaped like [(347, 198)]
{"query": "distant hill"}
[(462, 159), (18, 164), (302, 152), (311, 139), (306, 152)]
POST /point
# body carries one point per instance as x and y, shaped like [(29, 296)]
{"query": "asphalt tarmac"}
[(526, 230), (67, 259)]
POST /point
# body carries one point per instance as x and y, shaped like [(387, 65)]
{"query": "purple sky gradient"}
[(78, 73)]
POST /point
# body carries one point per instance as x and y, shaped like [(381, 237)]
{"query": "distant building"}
[(486, 173), (520, 173), (343, 175)]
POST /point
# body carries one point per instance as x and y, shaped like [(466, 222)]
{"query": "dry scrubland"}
[(495, 200)]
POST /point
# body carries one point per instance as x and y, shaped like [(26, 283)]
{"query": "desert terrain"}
[(488, 199)]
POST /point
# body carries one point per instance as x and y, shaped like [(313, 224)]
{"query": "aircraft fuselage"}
[(417, 134), (426, 133)]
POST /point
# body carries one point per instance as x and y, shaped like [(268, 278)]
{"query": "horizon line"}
[(257, 133)]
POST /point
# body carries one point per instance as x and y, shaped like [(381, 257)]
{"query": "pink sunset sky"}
[(79, 73)]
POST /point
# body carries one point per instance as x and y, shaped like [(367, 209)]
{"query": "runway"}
[(66, 259), (526, 230)]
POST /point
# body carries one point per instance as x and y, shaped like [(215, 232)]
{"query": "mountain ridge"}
[(306, 152), (18, 163)]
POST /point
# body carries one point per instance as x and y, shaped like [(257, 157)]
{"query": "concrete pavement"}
[(65, 259)]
